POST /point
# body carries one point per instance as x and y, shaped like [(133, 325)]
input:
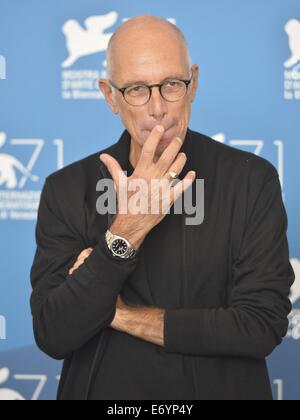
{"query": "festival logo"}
[(292, 64)]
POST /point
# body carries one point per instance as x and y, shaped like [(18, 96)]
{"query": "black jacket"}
[(235, 284)]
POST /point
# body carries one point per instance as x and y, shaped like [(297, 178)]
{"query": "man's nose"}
[(157, 105)]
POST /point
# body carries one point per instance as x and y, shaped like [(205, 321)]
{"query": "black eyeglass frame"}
[(150, 87)]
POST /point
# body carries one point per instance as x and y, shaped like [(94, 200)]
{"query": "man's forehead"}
[(151, 71), (151, 63)]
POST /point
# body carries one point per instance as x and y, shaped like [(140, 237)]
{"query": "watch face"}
[(119, 247)]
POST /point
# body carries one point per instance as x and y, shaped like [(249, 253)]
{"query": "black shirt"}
[(224, 283), (157, 281)]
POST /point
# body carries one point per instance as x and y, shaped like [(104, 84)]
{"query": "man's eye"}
[(135, 89), (172, 84)]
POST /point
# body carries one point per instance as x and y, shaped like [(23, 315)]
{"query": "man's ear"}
[(195, 82), (108, 93)]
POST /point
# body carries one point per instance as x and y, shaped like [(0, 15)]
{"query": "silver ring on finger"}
[(174, 178)]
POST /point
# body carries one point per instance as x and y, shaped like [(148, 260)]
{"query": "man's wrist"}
[(132, 235), (146, 323)]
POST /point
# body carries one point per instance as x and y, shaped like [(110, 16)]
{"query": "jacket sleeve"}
[(69, 310), (256, 319)]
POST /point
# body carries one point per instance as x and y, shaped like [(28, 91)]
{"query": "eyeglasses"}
[(171, 90)]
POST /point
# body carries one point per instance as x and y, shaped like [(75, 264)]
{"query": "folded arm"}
[(69, 310)]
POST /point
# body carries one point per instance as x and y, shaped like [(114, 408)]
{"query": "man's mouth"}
[(166, 129)]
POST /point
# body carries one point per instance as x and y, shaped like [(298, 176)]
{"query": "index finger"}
[(149, 149)]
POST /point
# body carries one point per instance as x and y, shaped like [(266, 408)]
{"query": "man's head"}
[(149, 49)]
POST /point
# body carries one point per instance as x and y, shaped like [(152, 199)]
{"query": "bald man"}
[(143, 305)]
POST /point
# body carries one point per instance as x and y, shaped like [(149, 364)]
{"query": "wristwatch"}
[(119, 246)]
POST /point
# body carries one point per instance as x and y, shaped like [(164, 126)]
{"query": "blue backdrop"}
[(51, 114)]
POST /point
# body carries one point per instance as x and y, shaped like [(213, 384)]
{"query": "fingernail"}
[(103, 158), (160, 128)]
